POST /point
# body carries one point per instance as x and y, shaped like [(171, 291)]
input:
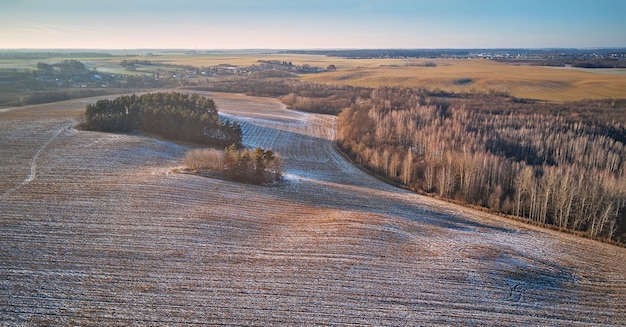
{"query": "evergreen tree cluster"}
[(71, 66), (172, 115)]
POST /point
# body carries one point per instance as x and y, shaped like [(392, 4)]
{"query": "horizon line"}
[(314, 49)]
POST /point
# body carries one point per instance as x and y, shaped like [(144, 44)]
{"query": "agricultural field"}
[(97, 229), (479, 75), (248, 59), (453, 75)]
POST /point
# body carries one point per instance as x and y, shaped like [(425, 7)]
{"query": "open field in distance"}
[(249, 59), (528, 82), (454, 75), (97, 230)]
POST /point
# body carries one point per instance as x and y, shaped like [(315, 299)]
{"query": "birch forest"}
[(562, 165)]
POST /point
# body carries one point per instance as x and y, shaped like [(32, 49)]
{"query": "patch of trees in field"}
[(259, 166), (493, 152), (134, 62), (70, 66), (171, 115)]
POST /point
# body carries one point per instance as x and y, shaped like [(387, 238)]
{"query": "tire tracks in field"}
[(33, 162)]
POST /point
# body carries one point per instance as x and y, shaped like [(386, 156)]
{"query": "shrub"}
[(255, 167), (204, 160)]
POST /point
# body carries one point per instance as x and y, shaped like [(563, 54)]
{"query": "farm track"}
[(97, 230)]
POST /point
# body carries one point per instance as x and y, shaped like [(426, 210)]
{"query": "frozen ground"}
[(95, 229)]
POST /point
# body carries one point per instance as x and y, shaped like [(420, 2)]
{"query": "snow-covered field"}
[(95, 229)]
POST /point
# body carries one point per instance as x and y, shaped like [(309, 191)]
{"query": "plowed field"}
[(95, 229)]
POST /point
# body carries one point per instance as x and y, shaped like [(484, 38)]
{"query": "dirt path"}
[(107, 235), (33, 162)]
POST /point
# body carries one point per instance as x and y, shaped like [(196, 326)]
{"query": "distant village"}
[(583, 58)]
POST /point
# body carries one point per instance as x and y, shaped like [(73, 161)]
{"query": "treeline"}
[(172, 115), (511, 157), (305, 96), (583, 63), (600, 63), (8, 54), (259, 166), (309, 97), (388, 53), (133, 62)]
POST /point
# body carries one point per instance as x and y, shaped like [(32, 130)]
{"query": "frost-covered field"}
[(95, 229)]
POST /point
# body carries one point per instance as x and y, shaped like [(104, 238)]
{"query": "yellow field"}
[(531, 82), (248, 59)]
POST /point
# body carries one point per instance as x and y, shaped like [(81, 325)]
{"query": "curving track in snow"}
[(33, 162), (107, 235)]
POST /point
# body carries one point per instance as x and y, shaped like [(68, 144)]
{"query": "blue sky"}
[(293, 24)]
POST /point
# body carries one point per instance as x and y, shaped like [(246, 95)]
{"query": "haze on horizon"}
[(289, 24)]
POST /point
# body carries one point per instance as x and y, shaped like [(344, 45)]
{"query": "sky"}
[(312, 24)]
